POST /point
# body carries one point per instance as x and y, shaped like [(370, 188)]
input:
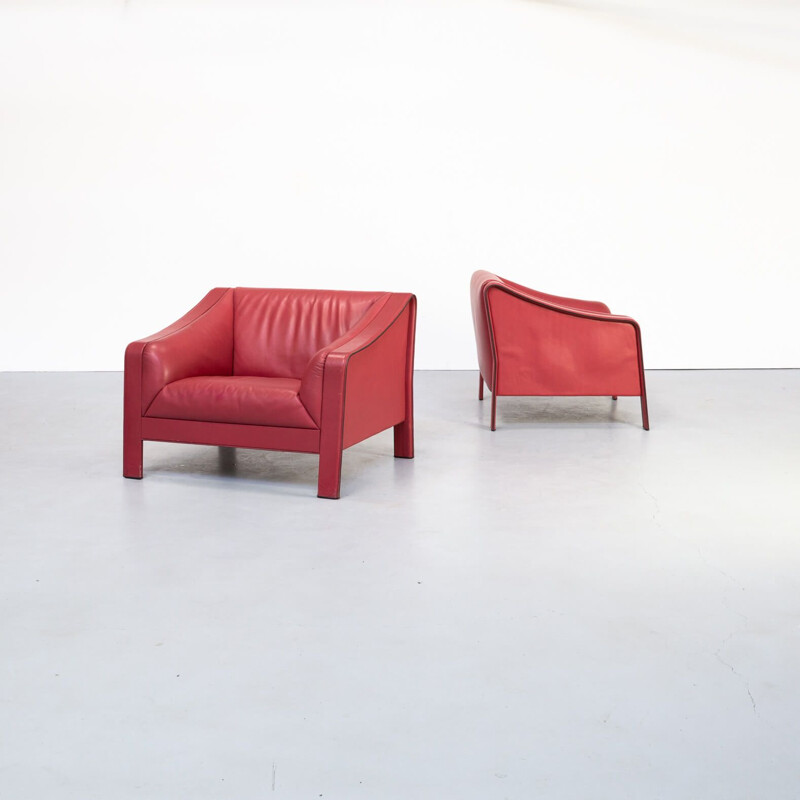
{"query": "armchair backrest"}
[(277, 331)]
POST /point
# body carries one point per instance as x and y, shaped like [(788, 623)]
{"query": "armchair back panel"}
[(277, 331)]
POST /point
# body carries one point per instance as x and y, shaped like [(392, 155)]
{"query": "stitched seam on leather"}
[(385, 330), (234, 425), (252, 424), (144, 413), (490, 326), (141, 386), (596, 316)]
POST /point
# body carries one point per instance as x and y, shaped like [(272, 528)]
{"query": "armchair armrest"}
[(555, 300), (199, 343), (367, 381), (375, 321), (588, 309)]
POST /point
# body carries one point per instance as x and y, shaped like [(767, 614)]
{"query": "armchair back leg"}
[(404, 439), (494, 411), (645, 418), (480, 386)]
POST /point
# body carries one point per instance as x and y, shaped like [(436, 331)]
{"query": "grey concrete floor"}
[(567, 608)]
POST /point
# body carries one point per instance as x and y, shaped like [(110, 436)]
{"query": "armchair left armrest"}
[(200, 341)]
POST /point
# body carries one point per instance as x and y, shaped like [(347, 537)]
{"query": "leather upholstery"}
[(234, 398), (202, 347), (271, 368), (311, 385), (532, 343), (547, 352), (277, 332)]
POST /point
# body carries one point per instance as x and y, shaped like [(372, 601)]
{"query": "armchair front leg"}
[(132, 445), (331, 439), (330, 469)]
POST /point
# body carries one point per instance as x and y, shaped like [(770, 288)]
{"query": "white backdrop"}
[(650, 159)]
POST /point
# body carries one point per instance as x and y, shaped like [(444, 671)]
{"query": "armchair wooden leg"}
[(613, 397), (480, 386), (645, 417), (404, 439), (330, 472), (494, 411)]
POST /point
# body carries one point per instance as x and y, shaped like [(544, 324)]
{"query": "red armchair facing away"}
[(530, 343), (276, 369)]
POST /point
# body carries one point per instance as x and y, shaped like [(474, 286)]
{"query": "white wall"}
[(150, 151)]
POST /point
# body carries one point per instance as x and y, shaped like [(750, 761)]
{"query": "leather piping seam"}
[(248, 424), (355, 352), (572, 312), (490, 327)]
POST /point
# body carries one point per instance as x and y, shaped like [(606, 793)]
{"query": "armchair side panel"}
[(545, 352)]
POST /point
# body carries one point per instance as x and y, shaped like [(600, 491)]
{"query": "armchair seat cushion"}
[(238, 399)]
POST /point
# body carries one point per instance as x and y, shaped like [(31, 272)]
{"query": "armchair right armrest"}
[(367, 387)]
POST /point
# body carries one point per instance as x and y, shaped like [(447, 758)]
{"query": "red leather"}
[(531, 343), (389, 336), (480, 281), (195, 345), (376, 394), (569, 302), (311, 388), (276, 333), (234, 398), (288, 369)]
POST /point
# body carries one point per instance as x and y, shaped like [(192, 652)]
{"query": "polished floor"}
[(570, 607)]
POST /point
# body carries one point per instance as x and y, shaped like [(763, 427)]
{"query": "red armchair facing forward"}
[(530, 343), (276, 369)]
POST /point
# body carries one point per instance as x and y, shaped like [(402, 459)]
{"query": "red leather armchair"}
[(276, 369), (531, 343)]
